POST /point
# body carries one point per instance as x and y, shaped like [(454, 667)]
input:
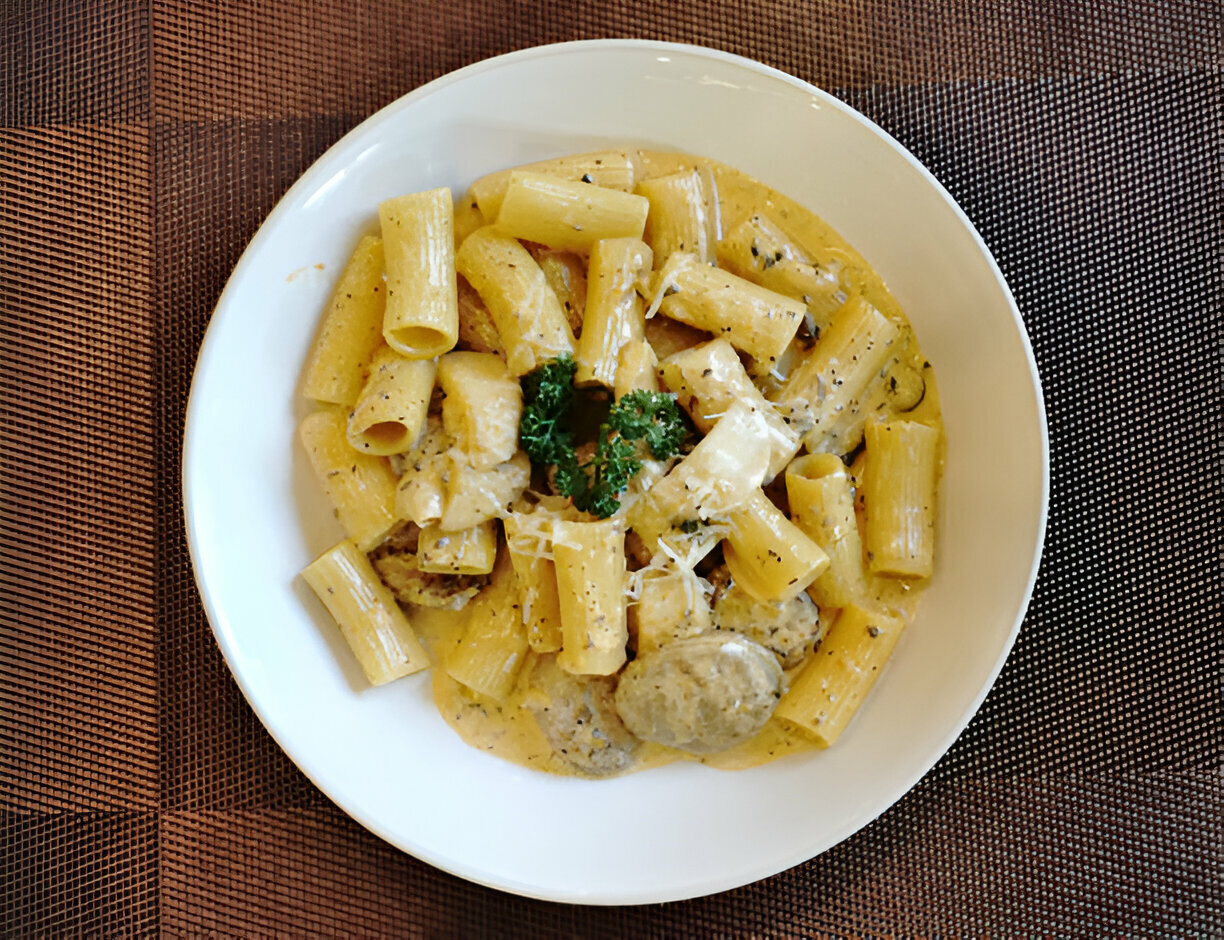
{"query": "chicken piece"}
[(701, 694), (579, 719)]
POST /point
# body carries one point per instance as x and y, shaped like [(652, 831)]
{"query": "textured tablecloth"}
[(141, 145)]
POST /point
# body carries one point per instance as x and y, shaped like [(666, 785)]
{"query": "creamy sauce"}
[(509, 728)]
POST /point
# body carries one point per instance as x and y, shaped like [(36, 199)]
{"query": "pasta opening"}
[(386, 437), (419, 342)]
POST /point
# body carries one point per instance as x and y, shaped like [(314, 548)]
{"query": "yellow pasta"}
[(758, 249), (756, 320), (360, 487), (614, 316), (682, 215), (351, 330), (468, 551), (529, 542), (568, 215), (590, 562), (421, 319), (822, 505), (528, 316), (767, 554), (611, 169), (832, 379), (390, 411), (372, 624), (709, 378), (636, 368), (899, 497), (493, 649), (825, 695), (720, 475), (467, 218), (482, 406)]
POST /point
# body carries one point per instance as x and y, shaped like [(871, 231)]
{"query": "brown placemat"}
[(141, 144)]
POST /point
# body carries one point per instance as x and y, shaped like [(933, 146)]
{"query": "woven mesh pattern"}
[(142, 143)]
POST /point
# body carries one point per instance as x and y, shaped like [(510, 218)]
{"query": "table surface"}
[(143, 143)]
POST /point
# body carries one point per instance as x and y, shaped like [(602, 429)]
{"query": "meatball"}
[(577, 716), (787, 629), (700, 694)]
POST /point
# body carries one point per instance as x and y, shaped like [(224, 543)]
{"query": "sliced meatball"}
[(788, 630), (702, 694), (579, 719)]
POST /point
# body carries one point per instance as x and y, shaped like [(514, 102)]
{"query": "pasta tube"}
[(468, 551), (611, 169), (352, 328), (671, 606), (370, 620), (474, 496), (361, 487), (421, 320), (529, 542), (614, 315), (839, 369), (899, 496), (467, 218), (566, 274), (759, 321), (494, 646), (822, 505), (477, 331), (682, 215), (591, 568), (757, 249), (830, 688), (567, 215), (526, 312), (482, 406), (390, 411), (636, 369), (767, 554), (716, 478), (709, 378)]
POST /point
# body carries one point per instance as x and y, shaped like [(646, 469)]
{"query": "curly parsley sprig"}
[(637, 422)]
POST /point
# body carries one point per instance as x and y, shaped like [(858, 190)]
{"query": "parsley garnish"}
[(546, 433)]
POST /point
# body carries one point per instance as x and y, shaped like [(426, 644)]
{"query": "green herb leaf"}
[(546, 434)]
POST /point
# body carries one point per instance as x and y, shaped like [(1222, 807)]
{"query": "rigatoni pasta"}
[(528, 317), (373, 625), (899, 495), (757, 321), (351, 329), (482, 406), (421, 318), (590, 563), (636, 432), (567, 215), (614, 315), (389, 413), (360, 487)]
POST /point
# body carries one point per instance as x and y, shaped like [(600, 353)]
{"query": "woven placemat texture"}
[(141, 145)]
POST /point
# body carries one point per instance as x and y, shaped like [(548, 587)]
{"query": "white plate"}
[(255, 516)]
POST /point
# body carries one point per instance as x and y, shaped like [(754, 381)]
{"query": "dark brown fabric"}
[(141, 144)]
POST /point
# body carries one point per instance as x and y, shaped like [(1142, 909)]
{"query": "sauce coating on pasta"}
[(669, 490)]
